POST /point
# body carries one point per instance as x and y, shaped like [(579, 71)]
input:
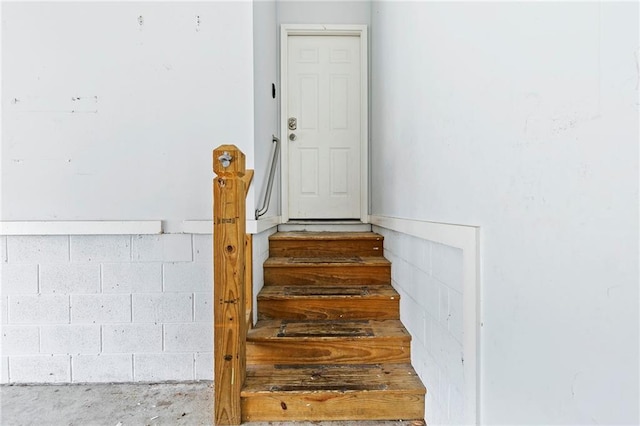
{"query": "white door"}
[(324, 126)]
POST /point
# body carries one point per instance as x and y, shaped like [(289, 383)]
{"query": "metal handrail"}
[(272, 171)]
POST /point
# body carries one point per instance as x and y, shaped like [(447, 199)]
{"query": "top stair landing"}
[(325, 244), (326, 258), (324, 226)]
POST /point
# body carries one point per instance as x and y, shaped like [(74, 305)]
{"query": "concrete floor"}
[(121, 405)]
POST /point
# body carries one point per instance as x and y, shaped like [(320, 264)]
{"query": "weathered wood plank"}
[(322, 342), (324, 308), (229, 284), (333, 392), (319, 244), (382, 329), (333, 302), (333, 292), (372, 292), (395, 377), (344, 351), (246, 179), (325, 236), (368, 271), (322, 262), (352, 406)]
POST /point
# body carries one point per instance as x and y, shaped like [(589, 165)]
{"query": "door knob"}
[(292, 137)]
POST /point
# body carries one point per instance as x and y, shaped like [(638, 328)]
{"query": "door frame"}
[(360, 31)]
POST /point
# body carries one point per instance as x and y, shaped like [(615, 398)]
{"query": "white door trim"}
[(332, 30)]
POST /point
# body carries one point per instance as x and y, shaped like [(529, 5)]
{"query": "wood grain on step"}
[(333, 392), (321, 342), (350, 406), (398, 377), (270, 329), (316, 303), (283, 244), (368, 271)]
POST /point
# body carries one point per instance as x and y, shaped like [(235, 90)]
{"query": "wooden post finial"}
[(228, 160)]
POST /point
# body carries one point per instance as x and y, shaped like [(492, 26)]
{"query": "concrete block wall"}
[(118, 308), (429, 278)]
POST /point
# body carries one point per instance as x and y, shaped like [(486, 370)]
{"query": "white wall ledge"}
[(253, 226), (460, 236), (123, 227), (197, 227), (80, 227), (261, 225)]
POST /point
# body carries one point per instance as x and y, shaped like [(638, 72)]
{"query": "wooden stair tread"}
[(323, 244), (332, 392), (327, 270), (324, 236), (344, 261), (323, 330), (331, 378), (275, 292), (328, 302)]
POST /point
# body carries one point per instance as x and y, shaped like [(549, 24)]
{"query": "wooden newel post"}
[(230, 327)]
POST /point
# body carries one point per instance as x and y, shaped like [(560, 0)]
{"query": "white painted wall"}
[(111, 110), (324, 12), (265, 73), (522, 118)]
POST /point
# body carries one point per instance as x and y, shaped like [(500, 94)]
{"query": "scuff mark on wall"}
[(613, 287), (637, 55), (59, 104), (140, 21), (86, 98), (573, 384), (197, 23)]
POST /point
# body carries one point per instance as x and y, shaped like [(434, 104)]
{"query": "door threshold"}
[(324, 225), (324, 221)]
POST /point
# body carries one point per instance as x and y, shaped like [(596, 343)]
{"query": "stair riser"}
[(304, 351), (367, 405), (329, 309), (312, 248), (328, 275)]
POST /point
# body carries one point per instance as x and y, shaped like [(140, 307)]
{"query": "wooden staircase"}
[(329, 344)]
